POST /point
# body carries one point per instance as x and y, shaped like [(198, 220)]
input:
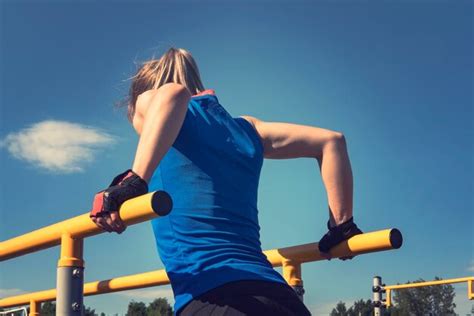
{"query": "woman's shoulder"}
[(169, 89), (252, 120)]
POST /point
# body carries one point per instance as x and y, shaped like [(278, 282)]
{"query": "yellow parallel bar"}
[(132, 211), (359, 244), (364, 243), (129, 282), (428, 283)]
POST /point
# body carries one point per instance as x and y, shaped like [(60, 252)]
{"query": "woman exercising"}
[(210, 162)]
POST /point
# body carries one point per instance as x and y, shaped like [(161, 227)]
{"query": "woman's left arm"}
[(163, 111)]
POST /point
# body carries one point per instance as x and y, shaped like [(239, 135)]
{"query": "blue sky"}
[(394, 77)]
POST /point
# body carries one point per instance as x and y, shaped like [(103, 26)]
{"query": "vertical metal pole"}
[(35, 308), (388, 298), (292, 275), (470, 289), (70, 277), (378, 290)]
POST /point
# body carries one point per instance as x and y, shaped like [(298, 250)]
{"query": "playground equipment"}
[(11, 312), (70, 287), (70, 235), (378, 289)]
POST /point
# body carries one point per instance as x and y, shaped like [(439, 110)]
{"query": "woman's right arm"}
[(286, 140)]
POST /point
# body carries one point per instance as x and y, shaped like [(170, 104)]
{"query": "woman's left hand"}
[(110, 222)]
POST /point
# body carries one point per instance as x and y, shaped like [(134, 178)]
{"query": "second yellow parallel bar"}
[(427, 283)]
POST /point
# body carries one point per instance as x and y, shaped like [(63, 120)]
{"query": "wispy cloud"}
[(10, 292), (57, 146)]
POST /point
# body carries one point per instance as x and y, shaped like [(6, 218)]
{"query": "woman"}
[(210, 162)]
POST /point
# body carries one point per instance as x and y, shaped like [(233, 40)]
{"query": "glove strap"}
[(337, 234), (343, 225), (121, 177), (129, 176)]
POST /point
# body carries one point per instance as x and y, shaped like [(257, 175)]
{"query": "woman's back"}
[(212, 171)]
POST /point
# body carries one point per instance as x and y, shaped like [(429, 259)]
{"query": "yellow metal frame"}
[(390, 288), (70, 234), (132, 211)]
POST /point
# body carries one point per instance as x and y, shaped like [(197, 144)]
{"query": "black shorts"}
[(247, 297)]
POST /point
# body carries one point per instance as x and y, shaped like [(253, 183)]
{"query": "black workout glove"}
[(125, 186), (337, 234)]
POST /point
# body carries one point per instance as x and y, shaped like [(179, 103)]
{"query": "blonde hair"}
[(176, 65)]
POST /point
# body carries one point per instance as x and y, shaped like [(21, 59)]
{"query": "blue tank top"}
[(212, 235)]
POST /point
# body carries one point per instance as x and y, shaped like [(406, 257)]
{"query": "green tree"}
[(392, 311), (361, 308), (443, 299), (136, 309), (102, 314), (340, 310), (48, 309), (88, 311), (159, 307), (436, 300)]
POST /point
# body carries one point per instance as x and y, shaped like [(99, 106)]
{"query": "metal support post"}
[(378, 290), (292, 275), (70, 277)]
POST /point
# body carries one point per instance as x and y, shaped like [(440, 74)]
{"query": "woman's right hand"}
[(336, 235)]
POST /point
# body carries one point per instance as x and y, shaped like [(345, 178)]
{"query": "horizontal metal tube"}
[(364, 243), (132, 211), (427, 283)]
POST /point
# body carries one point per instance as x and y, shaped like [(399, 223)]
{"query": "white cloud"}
[(57, 146), (10, 292)]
